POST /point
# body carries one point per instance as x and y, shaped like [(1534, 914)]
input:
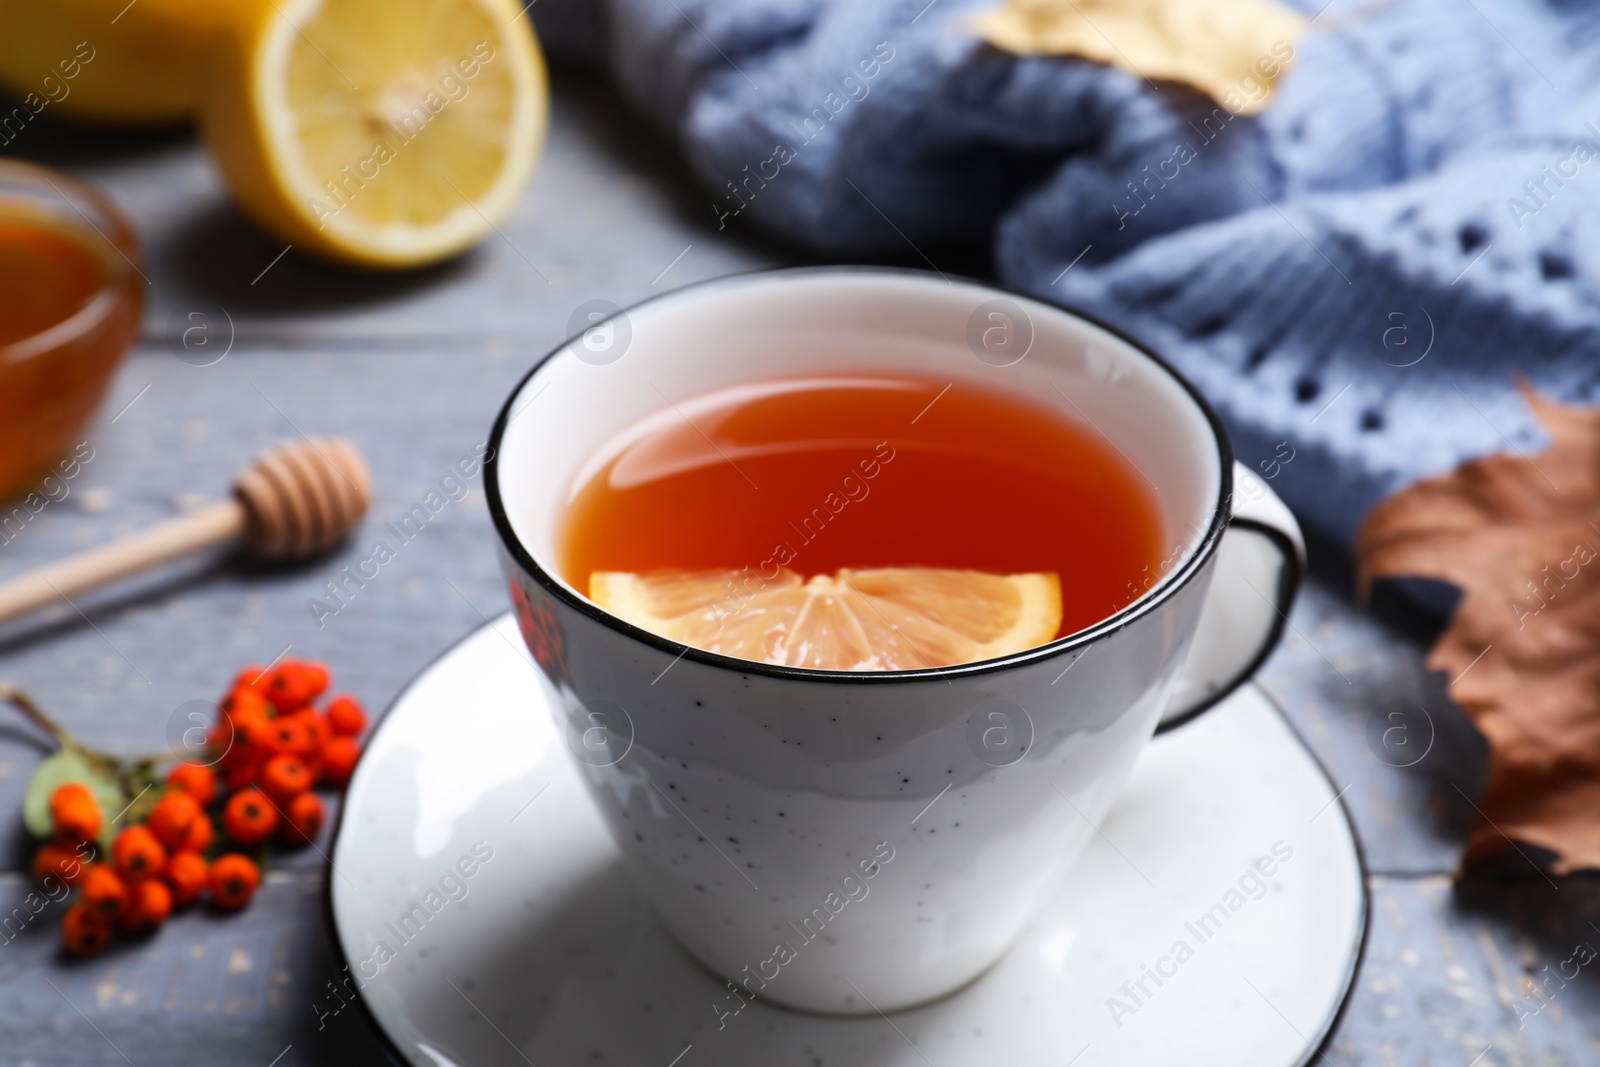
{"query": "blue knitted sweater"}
[(1355, 274)]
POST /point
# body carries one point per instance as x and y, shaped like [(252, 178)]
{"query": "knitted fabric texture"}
[(1354, 276)]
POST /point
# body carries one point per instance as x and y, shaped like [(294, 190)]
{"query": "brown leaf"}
[(1520, 536), (1233, 50)]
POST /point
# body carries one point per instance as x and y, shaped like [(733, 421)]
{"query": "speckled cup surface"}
[(853, 842)]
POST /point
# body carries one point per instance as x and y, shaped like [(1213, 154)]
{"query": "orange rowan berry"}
[(58, 860), (187, 874), (339, 758), (317, 731), (149, 904), (85, 931), (303, 819), (233, 881), (253, 676), (294, 683), (242, 774), (138, 854), (196, 779), (221, 738), (70, 791), (243, 701), (249, 817), (74, 813), (316, 675), (248, 732), (346, 715), (172, 816), (249, 744), (201, 832), (288, 733), (102, 891), (284, 777)]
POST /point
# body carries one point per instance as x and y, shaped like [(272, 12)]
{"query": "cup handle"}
[(1259, 565)]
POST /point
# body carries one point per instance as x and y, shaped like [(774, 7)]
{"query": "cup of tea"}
[(858, 592)]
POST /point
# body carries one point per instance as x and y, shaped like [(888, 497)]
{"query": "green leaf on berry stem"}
[(56, 770)]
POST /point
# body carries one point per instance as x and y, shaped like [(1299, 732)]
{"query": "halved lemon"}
[(896, 618), (386, 133)]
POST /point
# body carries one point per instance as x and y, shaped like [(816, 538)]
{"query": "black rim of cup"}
[(1154, 598)]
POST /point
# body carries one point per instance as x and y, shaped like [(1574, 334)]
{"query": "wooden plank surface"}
[(413, 368)]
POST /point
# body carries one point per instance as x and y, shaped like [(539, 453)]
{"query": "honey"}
[(69, 307)]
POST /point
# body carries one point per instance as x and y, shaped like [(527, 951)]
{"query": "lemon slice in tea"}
[(386, 133), (890, 619)]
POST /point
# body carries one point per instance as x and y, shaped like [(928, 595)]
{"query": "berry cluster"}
[(269, 746)]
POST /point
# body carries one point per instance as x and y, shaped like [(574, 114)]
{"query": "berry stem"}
[(35, 714), (126, 771)]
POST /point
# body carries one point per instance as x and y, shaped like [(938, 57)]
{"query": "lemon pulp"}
[(886, 619), (381, 132)]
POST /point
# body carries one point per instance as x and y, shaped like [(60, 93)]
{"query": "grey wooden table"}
[(413, 368)]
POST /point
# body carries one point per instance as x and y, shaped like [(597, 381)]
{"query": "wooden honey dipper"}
[(295, 501)]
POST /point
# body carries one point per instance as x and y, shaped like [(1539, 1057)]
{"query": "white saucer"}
[(544, 955)]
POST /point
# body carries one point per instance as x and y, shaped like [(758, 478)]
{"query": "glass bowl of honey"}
[(70, 304)]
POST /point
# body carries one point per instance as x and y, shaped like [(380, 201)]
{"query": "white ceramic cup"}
[(850, 842)]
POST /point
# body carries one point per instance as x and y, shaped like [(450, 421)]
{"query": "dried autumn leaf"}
[(1232, 50), (1520, 536)]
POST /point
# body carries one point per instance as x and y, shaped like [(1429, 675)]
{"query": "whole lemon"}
[(109, 62)]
